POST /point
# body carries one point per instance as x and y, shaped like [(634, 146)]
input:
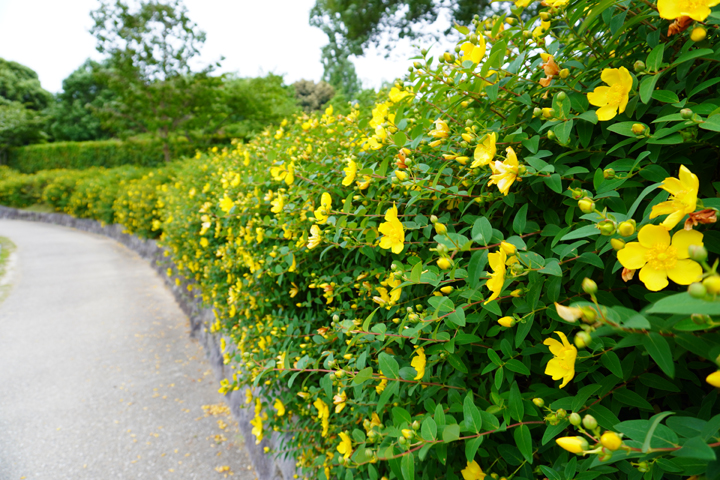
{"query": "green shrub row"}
[(102, 153)]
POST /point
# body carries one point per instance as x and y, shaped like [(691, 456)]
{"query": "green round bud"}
[(575, 419), (539, 402), (561, 96), (586, 205), (608, 173), (639, 66), (537, 112), (638, 128), (589, 422), (561, 413), (589, 286), (607, 228), (582, 339), (698, 253), (686, 113)]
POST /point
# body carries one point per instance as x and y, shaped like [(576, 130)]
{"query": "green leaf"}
[(451, 433), (623, 128), (553, 431), (515, 403), (665, 96), (628, 397), (520, 220), (368, 320), (482, 231), (659, 350), (552, 267), (416, 272), (515, 365), (654, 422), (647, 86), (581, 232), (471, 447), (599, 8), (429, 429), (400, 139), (696, 448), (611, 361), (554, 182), (562, 130), (407, 466), (363, 375), (693, 54), (683, 303), (388, 365), (654, 59), (582, 396), (472, 414), (712, 123), (523, 440)]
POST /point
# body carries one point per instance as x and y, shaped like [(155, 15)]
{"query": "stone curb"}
[(266, 467)]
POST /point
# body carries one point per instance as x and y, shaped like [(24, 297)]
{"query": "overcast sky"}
[(255, 37)]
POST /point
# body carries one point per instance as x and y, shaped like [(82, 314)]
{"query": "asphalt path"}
[(99, 378)]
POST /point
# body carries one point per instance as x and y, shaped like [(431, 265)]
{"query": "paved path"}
[(98, 376)]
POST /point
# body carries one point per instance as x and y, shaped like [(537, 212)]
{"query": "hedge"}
[(102, 153), (508, 267)]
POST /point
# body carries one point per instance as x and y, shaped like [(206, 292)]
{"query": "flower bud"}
[(564, 73), (440, 228), (700, 319), (444, 263), (697, 290), (539, 402), (447, 290), (686, 113), (561, 96), (606, 455), (516, 293), (611, 441), (573, 444), (643, 467), (698, 34), (548, 113), (537, 112), (402, 176), (638, 128), (561, 413), (714, 379), (586, 205), (416, 425), (608, 173), (589, 286), (625, 229), (407, 433), (575, 419), (402, 440), (617, 243), (589, 422), (417, 65), (639, 66), (433, 219), (607, 228), (582, 339), (508, 248), (507, 322), (712, 284), (698, 253)]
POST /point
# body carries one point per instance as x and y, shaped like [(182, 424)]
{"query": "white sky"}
[(255, 37)]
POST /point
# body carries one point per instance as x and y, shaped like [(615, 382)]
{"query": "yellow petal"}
[(606, 113), (654, 280), (687, 178), (663, 208), (683, 239), (652, 235), (673, 219), (633, 256), (555, 347), (669, 9), (598, 97), (611, 76), (555, 369), (685, 272), (564, 339)]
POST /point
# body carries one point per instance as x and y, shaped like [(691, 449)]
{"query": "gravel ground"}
[(98, 376)]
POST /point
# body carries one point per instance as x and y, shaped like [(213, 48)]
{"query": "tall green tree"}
[(151, 48), (74, 114)]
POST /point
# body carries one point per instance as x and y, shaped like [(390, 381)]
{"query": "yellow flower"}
[(473, 471), (226, 204), (393, 232), (522, 3), (441, 129), (563, 364), (714, 379), (381, 386), (315, 237), (504, 173), (294, 290), (397, 95), (345, 447), (323, 415), (485, 151), (277, 204), (497, 278), (569, 314), (556, 3), (350, 172), (418, 363), (340, 400), (474, 53), (365, 183), (278, 405), (573, 444), (284, 173), (683, 199), (321, 214), (613, 99), (204, 242), (696, 9), (659, 259)]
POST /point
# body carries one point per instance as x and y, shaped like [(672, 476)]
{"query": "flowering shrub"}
[(506, 268)]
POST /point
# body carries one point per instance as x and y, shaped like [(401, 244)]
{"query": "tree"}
[(19, 83), (151, 49), (312, 96), (74, 113)]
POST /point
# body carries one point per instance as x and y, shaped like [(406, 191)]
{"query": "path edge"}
[(266, 466)]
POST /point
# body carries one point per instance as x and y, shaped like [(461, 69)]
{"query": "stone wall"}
[(266, 467)]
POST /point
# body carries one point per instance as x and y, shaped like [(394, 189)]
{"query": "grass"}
[(7, 247), (38, 207)]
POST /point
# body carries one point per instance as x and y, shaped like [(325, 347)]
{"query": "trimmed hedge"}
[(102, 153)]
